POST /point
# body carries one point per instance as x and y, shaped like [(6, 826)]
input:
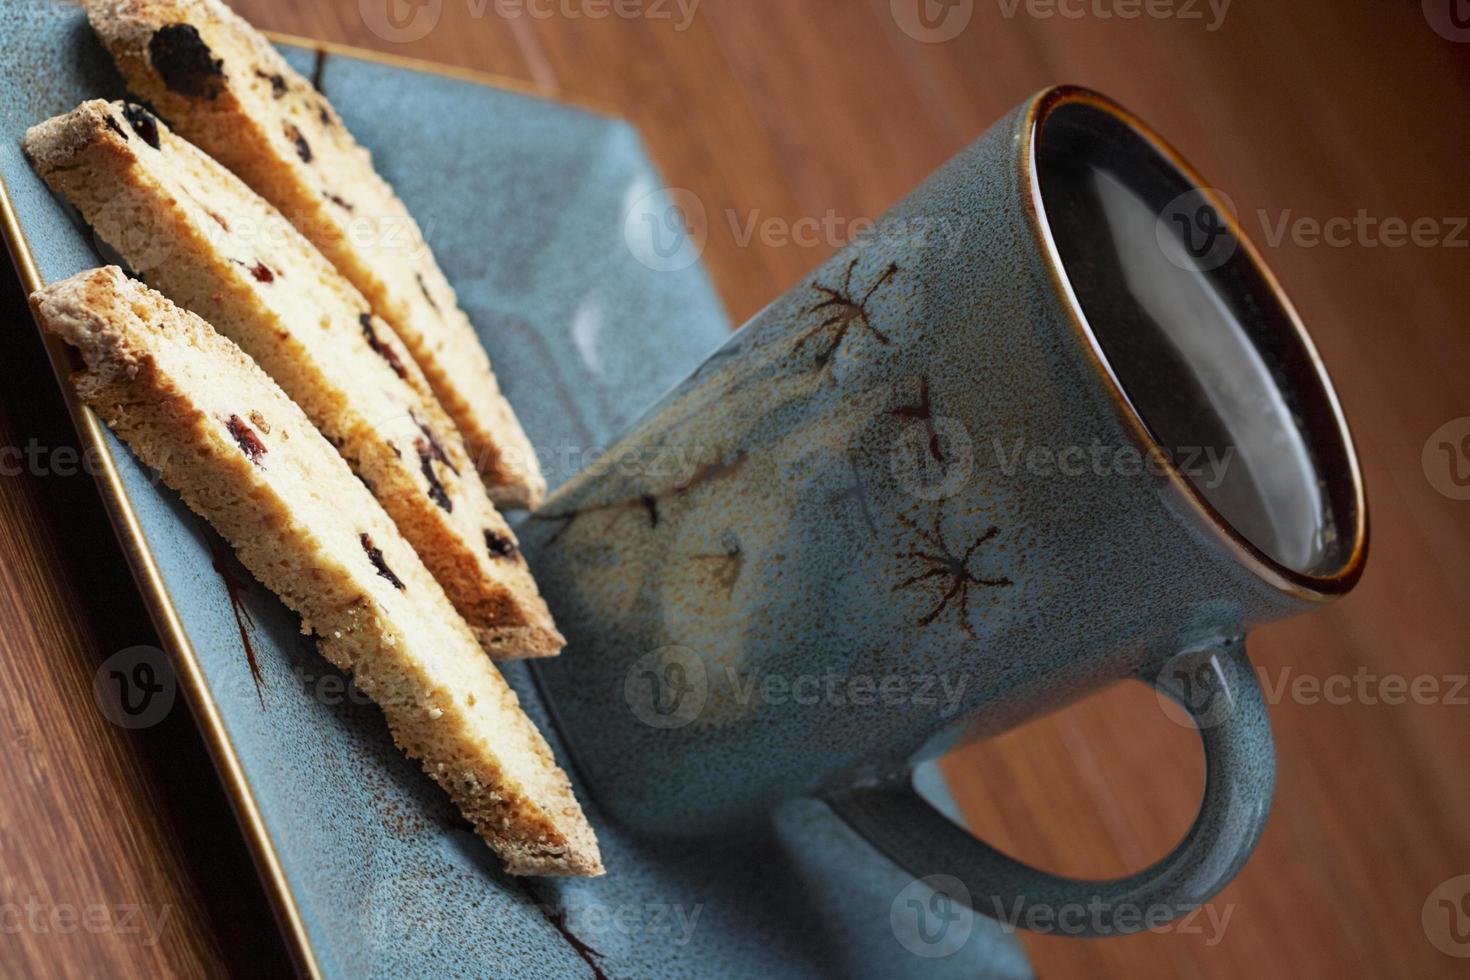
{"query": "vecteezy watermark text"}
[(933, 917), (406, 21), (1211, 704), (34, 459), (667, 229), (833, 230), (672, 687), (1193, 233), (1210, 13), (1095, 917), (857, 690), (1206, 465), (1363, 229), (43, 918), (407, 905)]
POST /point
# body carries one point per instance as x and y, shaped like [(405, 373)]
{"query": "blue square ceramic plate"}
[(373, 874)]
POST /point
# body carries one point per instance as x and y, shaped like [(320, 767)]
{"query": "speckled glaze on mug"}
[(816, 561)]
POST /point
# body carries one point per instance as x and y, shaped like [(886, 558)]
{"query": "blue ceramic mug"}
[(1050, 425)]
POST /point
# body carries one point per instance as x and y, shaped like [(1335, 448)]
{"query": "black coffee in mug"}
[(1187, 323)]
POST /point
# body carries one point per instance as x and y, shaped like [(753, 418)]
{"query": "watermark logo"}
[(933, 457), (1192, 691), (1450, 19), (401, 21), (1446, 917), (667, 229), (932, 21), (400, 909), (931, 916), (1191, 233), (1446, 459), (135, 688), (667, 688)]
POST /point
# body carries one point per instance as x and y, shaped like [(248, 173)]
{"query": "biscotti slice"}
[(223, 86), (244, 456), (192, 230)]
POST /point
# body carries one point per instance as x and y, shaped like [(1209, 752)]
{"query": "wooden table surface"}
[(827, 109)]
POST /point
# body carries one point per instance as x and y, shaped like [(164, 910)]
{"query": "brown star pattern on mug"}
[(842, 312), (946, 571)]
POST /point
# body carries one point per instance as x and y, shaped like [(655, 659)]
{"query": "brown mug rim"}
[(1313, 586)]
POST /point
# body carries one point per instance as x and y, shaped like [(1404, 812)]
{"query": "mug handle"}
[(1216, 686)]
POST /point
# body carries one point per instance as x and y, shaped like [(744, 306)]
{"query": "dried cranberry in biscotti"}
[(277, 80), (246, 439), (375, 555), (303, 148), (185, 63), (426, 464), (381, 349), (423, 288), (434, 445)]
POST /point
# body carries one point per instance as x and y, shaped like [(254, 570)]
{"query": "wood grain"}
[(787, 110)]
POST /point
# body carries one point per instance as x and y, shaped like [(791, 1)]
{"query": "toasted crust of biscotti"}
[(195, 232), (223, 86), (245, 457)]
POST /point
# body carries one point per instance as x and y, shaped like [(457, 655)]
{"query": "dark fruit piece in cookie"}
[(375, 555), (142, 122), (426, 463), (381, 349), (499, 545), (277, 80), (246, 438), (185, 62)]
